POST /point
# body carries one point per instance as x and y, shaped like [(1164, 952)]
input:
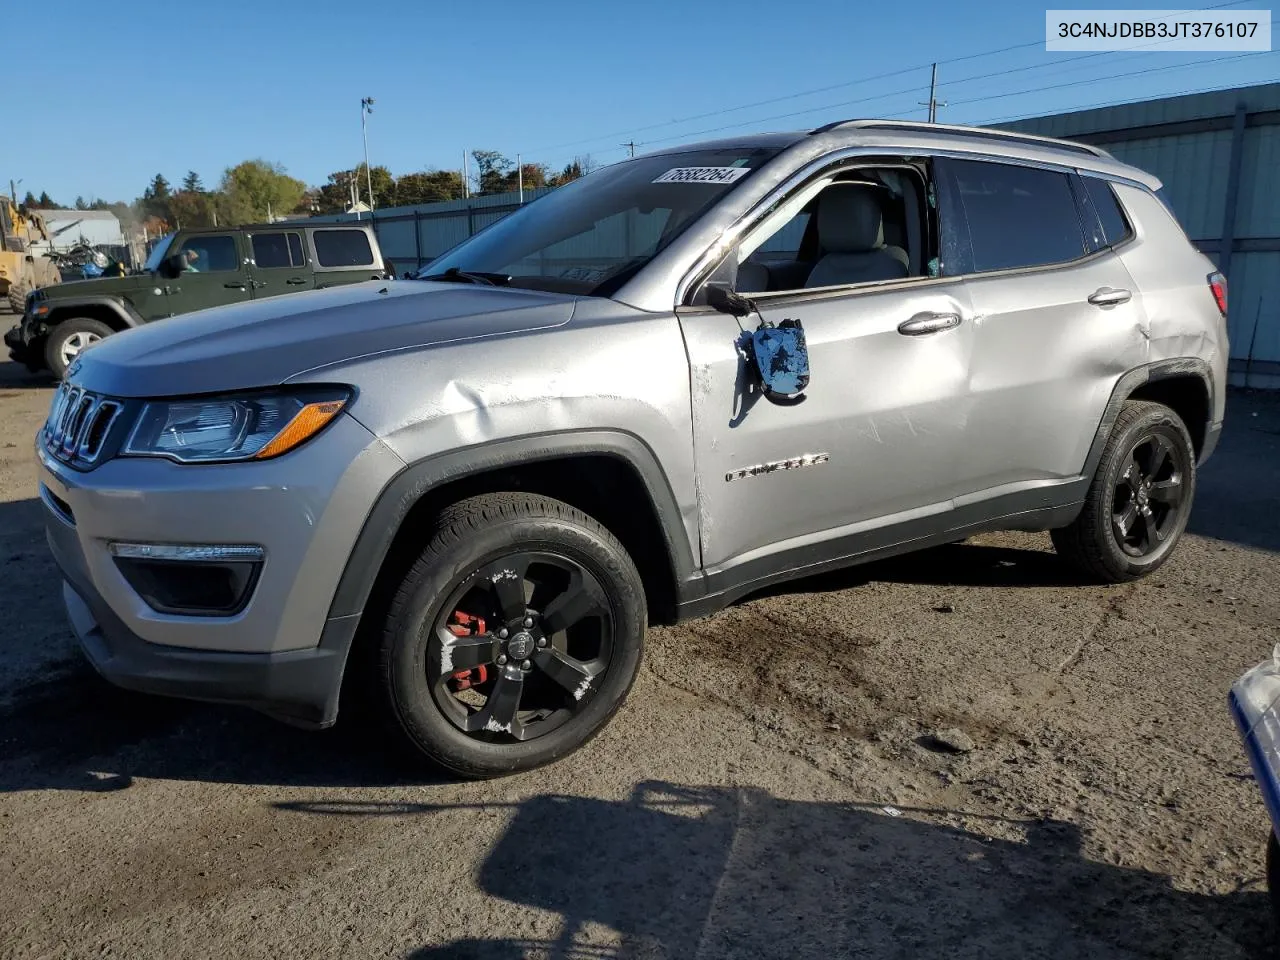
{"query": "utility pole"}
[(13, 192), (520, 178), (466, 176), (366, 108), (933, 103), (631, 146)]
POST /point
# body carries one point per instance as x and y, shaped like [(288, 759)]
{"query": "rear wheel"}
[(1140, 500), (514, 638), (68, 339)]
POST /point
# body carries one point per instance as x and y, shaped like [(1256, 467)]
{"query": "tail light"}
[(1218, 284)]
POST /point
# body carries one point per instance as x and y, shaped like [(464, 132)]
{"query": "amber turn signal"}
[(305, 424)]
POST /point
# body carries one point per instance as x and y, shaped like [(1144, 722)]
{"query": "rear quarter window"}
[(1115, 226), (342, 248)]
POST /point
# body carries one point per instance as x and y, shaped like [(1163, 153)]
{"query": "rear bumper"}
[(1212, 434), (299, 687)]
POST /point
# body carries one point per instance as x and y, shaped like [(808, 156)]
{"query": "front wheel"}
[(514, 638), (1139, 501), (68, 339)]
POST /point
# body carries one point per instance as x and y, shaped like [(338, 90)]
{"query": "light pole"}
[(366, 108)]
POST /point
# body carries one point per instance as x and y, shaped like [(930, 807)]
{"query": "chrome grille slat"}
[(78, 425)]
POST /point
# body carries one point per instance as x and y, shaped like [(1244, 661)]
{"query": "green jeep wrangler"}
[(191, 270)]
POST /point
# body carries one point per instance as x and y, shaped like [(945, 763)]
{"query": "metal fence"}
[(412, 236)]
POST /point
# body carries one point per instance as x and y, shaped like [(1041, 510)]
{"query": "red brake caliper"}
[(465, 625)]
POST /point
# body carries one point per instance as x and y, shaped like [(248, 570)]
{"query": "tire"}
[(481, 548), (62, 337), (1128, 482), (18, 296)]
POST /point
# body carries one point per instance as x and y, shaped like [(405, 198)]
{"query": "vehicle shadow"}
[(954, 564), (14, 376), (675, 871)]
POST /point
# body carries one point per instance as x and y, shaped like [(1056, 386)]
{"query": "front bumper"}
[(282, 653), (16, 342), (1254, 700), (300, 687)]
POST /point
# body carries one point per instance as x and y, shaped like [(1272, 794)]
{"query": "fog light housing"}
[(192, 580)]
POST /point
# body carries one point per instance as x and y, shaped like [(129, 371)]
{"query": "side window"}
[(867, 225), (1016, 216), (1115, 227), (277, 250), (209, 253), (343, 248)]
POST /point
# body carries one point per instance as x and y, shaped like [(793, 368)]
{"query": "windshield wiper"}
[(454, 275)]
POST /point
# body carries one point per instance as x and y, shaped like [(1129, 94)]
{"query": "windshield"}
[(157, 253), (594, 233)]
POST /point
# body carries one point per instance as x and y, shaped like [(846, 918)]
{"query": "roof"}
[(77, 214), (907, 135), (278, 225)]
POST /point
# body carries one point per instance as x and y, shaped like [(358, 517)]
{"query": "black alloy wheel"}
[(515, 637), (1139, 499), (1148, 495), (520, 647)]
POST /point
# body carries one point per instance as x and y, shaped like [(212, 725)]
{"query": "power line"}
[(863, 80), (1115, 76)]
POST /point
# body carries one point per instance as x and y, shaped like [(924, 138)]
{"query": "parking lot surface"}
[(962, 753)]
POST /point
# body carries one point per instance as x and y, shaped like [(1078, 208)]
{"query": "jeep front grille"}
[(78, 424)]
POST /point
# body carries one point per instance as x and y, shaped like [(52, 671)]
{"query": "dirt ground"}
[(770, 789)]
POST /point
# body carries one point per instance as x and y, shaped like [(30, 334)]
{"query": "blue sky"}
[(144, 87)]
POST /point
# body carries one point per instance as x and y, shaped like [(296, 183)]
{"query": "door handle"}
[(923, 323), (1106, 296), (234, 286), (295, 280)]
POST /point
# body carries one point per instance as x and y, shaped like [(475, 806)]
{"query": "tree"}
[(191, 208), (30, 201), (429, 186), (255, 189), (80, 204), (155, 199), (191, 183), (45, 202), (491, 169), (578, 167)]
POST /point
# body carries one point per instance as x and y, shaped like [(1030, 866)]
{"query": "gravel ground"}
[(961, 753)]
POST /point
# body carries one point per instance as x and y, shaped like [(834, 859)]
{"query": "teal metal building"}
[(1218, 154)]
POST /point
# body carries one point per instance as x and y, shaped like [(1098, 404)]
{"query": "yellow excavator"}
[(23, 269)]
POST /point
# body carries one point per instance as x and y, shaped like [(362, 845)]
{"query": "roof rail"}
[(986, 133)]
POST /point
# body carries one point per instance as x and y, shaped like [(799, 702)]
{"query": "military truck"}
[(23, 268), (186, 271)]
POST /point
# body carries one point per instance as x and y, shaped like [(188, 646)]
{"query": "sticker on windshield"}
[(703, 175)]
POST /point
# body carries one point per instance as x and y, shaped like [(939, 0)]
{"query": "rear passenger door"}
[(1058, 319), (342, 255), (279, 263)]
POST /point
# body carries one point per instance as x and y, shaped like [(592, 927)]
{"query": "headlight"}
[(246, 427)]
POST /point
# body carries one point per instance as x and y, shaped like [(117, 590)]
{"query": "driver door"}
[(868, 457), (221, 274)]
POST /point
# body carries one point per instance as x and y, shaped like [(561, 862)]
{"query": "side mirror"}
[(782, 361), (721, 298), (170, 267)]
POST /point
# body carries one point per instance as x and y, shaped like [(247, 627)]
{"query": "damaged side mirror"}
[(782, 361), (779, 354)]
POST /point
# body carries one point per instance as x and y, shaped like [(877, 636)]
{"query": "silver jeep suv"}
[(652, 391)]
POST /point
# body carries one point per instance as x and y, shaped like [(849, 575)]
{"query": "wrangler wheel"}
[(514, 638), (68, 340), (1139, 502)]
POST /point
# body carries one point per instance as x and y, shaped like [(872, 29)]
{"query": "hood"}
[(96, 286), (265, 342)]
